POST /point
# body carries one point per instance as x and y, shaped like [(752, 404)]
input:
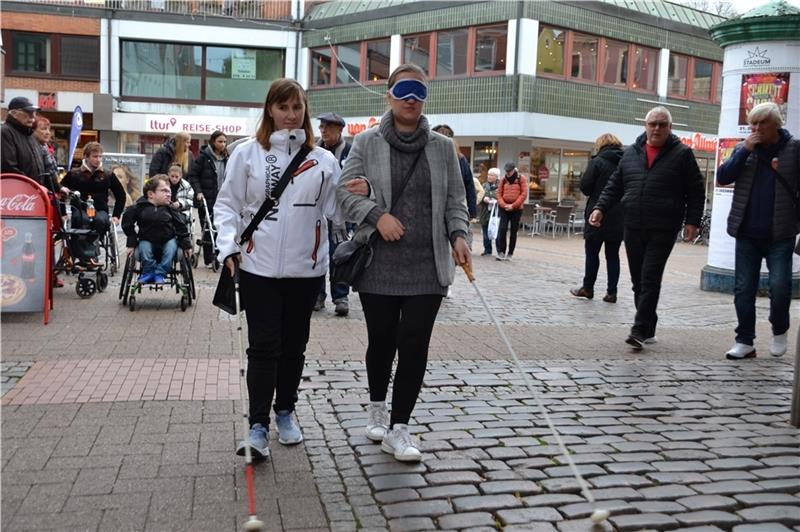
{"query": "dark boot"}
[(582, 292)]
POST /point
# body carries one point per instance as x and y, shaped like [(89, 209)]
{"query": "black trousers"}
[(508, 218), (278, 321), (648, 251), (402, 325)]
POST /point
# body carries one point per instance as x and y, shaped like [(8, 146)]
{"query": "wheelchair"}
[(179, 278), (206, 228), (92, 276)]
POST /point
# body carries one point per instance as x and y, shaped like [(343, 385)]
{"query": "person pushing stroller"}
[(161, 229)]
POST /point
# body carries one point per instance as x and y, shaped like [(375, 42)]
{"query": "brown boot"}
[(610, 298), (582, 292)]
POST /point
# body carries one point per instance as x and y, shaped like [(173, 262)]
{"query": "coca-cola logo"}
[(19, 202)]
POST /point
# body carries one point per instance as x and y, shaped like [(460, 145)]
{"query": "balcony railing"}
[(240, 9)]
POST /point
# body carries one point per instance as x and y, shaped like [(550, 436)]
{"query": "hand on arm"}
[(461, 253), (390, 228), (358, 186)]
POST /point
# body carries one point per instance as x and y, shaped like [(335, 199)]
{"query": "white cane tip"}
[(600, 515), (253, 524)]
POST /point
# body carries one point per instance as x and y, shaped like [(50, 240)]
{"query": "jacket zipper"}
[(317, 238)]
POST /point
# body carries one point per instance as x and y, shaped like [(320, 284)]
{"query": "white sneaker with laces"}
[(378, 423), (740, 351), (778, 346), (399, 443)]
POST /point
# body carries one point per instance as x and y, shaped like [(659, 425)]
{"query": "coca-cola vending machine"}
[(25, 249)]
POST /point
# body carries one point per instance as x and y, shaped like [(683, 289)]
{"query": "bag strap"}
[(270, 201)]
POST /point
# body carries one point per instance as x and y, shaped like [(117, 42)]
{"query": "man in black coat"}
[(21, 153), (661, 187)]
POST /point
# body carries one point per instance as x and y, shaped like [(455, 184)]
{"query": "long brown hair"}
[(280, 91)]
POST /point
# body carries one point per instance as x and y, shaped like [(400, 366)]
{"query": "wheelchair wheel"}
[(184, 303), (194, 260), (187, 278), (102, 281), (132, 303), (85, 287), (127, 277)]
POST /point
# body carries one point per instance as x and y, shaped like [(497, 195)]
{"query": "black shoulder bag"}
[(794, 193), (351, 258), (225, 294)]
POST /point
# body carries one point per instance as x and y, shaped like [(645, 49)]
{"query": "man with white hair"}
[(765, 171), (661, 188)]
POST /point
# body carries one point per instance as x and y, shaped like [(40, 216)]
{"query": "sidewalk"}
[(128, 421)]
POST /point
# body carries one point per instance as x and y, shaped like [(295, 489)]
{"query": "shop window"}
[(484, 158), (417, 51), (615, 69), (241, 74), (490, 48), (32, 52), (645, 75), (451, 53), (584, 56), (161, 70), (348, 67), (378, 53), (52, 55), (550, 56), (701, 82), (321, 66), (678, 75), (717, 82), (80, 56)]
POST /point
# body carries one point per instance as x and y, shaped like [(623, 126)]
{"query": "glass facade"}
[(451, 53), (31, 52), (161, 70), (348, 69), (80, 56), (241, 74), (678, 75), (550, 57), (417, 50), (490, 48), (701, 82), (378, 60), (645, 76), (584, 57), (615, 68), (321, 66)]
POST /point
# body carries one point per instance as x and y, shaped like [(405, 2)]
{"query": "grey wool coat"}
[(370, 159)]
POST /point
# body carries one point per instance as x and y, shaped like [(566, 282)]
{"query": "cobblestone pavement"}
[(127, 421)]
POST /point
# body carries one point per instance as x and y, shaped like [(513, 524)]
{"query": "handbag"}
[(494, 223), (794, 193), (351, 258), (225, 293)]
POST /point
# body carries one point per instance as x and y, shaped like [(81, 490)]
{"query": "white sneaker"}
[(740, 351), (378, 423), (651, 340), (778, 346), (400, 443)]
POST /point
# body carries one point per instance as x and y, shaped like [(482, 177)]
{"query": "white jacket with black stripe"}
[(292, 240)]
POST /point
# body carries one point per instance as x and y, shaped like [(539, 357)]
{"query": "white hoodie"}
[(292, 240)]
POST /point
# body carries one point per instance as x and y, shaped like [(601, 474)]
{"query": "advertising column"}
[(761, 64)]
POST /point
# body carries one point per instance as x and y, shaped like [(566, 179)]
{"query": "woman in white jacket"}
[(282, 268)]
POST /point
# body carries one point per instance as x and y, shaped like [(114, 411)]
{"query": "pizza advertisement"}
[(22, 264)]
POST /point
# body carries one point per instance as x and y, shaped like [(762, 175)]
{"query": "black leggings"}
[(402, 325), (278, 321)]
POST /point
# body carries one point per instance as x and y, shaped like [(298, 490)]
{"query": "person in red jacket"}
[(510, 199)]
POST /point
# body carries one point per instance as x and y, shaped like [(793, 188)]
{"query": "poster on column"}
[(723, 253), (761, 88)]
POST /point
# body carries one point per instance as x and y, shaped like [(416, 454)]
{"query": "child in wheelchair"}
[(157, 229)]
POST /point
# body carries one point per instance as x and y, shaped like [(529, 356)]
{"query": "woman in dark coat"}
[(206, 175), (174, 150), (600, 168)]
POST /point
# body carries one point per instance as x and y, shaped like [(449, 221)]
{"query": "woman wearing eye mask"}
[(403, 181)]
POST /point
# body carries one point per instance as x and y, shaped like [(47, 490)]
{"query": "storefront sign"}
[(700, 142), (761, 88), (202, 125), (243, 67), (48, 101), (760, 57), (354, 128)]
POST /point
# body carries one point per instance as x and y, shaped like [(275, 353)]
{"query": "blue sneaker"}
[(288, 431), (259, 442), (146, 278), (159, 279)]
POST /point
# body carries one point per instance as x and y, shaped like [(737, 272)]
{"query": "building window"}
[(417, 51), (584, 56), (321, 66), (52, 55), (241, 74), (80, 56), (162, 70), (645, 75), (378, 60), (717, 82), (615, 64), (348, 69), (550, 56), (490, 48), (451, 53), (678, 75), (32, 52), (701, 80)]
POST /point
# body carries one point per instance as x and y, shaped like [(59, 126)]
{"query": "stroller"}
[(207, 229)]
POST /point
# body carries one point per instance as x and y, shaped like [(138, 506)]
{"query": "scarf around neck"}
[(405, 142)]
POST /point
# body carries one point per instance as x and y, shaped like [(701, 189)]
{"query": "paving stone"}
[(581, 525), (755, 499), (708, 502), (485, 502), (409, 524), (523, 487), (729, 487), (466, 520), (453, 477), (585, 509), (432, 508), (586, 470), (761, 527), (719, 476), (708, 517), (399, 495), (388, 482), (785, 514), (667, 491), (436, 466), (538, 527), (733, 463), (606, 494), (613, 481), (663, 507), (628, 467), (673, 466), (677, 478), (447, 491), (552, 499), (528, 515), (777, 472), (787, 485), (643, 521)]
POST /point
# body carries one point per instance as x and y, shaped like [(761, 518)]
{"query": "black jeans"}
[(508, 218), (402, 325), (648, 251), (278, 321), (592, 246)]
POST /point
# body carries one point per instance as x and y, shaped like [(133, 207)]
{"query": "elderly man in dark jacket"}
[(21, 153), (661, 187), (765, 170)]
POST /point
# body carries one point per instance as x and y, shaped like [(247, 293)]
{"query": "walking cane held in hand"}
[(599, 515)]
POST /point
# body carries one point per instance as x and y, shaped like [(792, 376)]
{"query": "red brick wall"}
[(50, 23), (50, 84)]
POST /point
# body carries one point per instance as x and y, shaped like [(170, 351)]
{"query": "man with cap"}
[(331, 126), (21, 153), (511, 194)]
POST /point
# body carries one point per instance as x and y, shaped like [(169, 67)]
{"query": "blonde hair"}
[(765, 110), (606, 139), (181, 157)]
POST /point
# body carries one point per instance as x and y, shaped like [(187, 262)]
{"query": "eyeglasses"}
[(409, 89), (168, 191), (654, 125)]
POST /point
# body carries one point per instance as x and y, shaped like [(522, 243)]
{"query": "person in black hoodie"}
[(660, 186), (608, 150), (161, 229), (20, 152), (206, 175)]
